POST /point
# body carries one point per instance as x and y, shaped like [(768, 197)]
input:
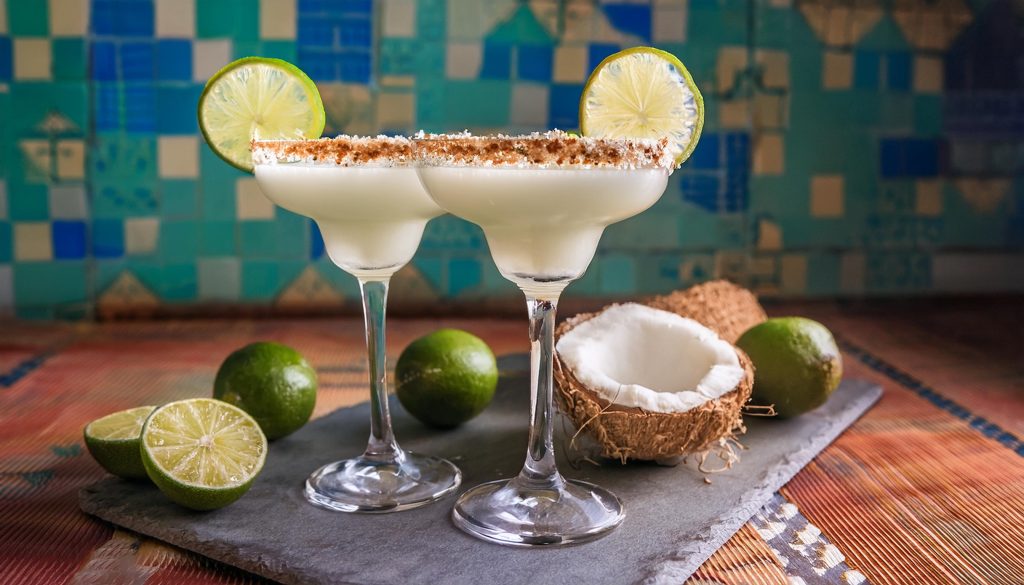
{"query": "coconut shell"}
[(725, 308), (626, 433)]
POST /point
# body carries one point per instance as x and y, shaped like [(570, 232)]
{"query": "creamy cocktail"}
[(371, 207), (542, 201)]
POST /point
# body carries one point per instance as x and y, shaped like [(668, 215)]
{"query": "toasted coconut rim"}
[(625, 432)]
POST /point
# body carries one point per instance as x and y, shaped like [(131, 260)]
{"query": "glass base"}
[(504, 512), (363, 485)]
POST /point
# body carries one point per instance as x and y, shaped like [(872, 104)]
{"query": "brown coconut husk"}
[(719, 305), (626, 433)]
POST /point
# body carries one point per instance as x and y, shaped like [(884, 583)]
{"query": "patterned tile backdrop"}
[(852, 147)]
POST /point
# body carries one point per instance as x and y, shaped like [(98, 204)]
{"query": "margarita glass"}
[(365, 195), (543, 202)]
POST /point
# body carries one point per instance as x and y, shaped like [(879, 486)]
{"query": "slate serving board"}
[(674, 520)]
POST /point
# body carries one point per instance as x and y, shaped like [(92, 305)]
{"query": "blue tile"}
[(497, 61), (737, 152), (140, 108), (68, 240), (317, 64), (177, 107), (125, 18), (707, 155), (355, 67), (6, 242), (103, 57), (564, 104), (701, 190), (316, 241), (898, 70), (598, 51), (630, 18), (922, 157), (107, 238), (138, 61), (106, 107), (865, 69), (6, 57), (314, 32), (890, 154), (102, 17), (534, 63), (174, 60), (356, 32)]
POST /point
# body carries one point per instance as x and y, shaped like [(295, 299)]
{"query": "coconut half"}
[(649, 384), (721, 305)]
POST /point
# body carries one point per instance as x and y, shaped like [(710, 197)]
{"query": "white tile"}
[(669, 22), (399, 18), (3, 17), (852, 268), (396, 110), (530, 105), (463, 59), (769, 154), (178, 157), (928, 197), (69, 18), (250, 202), (176, 18), (219, 279), (71, 159), (141, 235), (793, 278), (928, 74), (6, 283), (734, 113), (33, 241), (774, 68), (769, 236), (570, 64), (827, 197), (208, 57), (67, 202), (3, 195), (837, 70), (770, 111), (730, 61), (36, 154), (277, 19), (33, 59)]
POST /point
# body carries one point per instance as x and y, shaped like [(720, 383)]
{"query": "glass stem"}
[(540, 472), (382, 446)]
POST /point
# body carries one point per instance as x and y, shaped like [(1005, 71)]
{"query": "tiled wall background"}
[(852, 147)]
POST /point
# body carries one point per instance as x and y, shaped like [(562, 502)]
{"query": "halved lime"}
[(258, 98), (643, 92), (202, 453), (113, 441)]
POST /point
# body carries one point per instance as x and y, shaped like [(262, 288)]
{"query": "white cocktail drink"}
[(543, 202), (371, 218), (366, 197)]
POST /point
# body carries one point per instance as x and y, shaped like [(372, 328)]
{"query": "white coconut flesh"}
[(637, 356)]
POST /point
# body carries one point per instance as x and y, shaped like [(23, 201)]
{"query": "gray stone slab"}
[(674, 520)]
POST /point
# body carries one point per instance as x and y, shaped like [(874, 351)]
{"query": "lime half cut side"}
[(113, 441), (202, 453), (643, 92), (258, 98)]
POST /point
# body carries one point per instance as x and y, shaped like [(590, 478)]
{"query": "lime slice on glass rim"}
[(202, 453), (643, 92), (258, 98), (113, 441)]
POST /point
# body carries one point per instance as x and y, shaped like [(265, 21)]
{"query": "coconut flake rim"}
[(670, 378)]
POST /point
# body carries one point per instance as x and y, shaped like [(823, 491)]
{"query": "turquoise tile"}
[(260, 280), (823, 274), (617, 274), (217, 183), (6, 242), (50, 284), (928, 115), (292, 235), (477, 104), (257, 239), (28, 202), (179, 198), (178, 282), (33, 102), (279, 50), (217, 238), (69, 60), (432, 267), (179, 241), (28, 18), (464, 274), (237, 19)]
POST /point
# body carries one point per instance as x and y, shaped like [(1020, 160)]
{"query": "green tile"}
[(928, 115), (260, 280), (217, 238), (179, 241), (257, 239), (179, 198), (28, 202), (823, 276), (481, 104), (31, 102), (279, 50), (237, 19), (69, 60), (28, 18)]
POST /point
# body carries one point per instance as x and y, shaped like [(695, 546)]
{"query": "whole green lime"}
[(273, 383), (797, 365), (446, 378)]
